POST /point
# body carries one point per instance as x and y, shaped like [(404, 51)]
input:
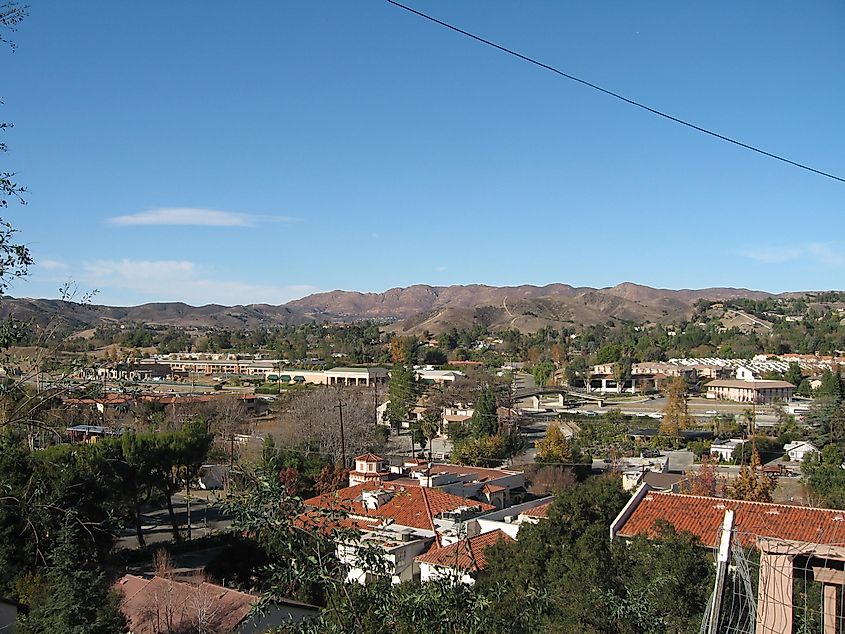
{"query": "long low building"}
[(274, 370), (750, 391)]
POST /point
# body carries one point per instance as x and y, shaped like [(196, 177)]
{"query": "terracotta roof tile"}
[(703, 516), (415, 507), (370, 457), (538, 511), (467, 554), (148, 603)]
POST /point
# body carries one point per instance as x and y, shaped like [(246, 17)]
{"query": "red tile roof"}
[(107, 399), (467, 554), (415, 507), (703, 516), (370, 457), (311, 520), (150, 603), (479, 474), (538, 511)]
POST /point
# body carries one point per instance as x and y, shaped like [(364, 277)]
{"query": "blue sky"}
[(200, 152)]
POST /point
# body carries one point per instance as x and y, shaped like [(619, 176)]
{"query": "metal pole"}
[(722, 559), (339, 407)]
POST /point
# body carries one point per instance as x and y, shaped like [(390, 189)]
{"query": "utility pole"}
[(339, 408), (375, 401)]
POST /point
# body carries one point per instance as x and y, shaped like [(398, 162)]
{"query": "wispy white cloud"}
[(827, 255), (193, 216), (773, 255), (52, 265), (179, 280), (823, 254)]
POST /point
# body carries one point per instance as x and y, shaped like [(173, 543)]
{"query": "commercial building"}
[(743, 391)]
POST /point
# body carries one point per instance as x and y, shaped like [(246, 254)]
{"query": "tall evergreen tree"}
[(402, 393), (76, 597), (485, 418)]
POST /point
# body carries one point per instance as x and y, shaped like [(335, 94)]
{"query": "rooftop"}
[(145, 610), (703, 517), (753, 385), (412, 506), (369, 457), (467, 554), (538, 511)]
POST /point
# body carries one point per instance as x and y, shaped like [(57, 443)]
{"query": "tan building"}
[(355, 376), (750, 391)]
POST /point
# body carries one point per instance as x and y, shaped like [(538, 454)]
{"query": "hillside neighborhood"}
[(418, 317)]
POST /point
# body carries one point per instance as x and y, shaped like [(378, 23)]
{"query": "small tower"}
[(368, 468)]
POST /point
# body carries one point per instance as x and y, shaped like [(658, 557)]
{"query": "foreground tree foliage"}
[(74, 597), (594, 585), (563, 575)]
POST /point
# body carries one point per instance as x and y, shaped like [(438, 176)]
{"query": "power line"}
[(615, 95)]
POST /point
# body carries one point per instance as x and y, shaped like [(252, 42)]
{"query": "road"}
[(206, 519)]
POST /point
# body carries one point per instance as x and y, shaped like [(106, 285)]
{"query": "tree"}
[(823, 472), (592, 584), (402, 350), (229, 418), (557, 447), (401, 389), (705, 481), (75, 597), (485, 416), (804, 388), (15, 258), (751, 484), (313, 422), (794, 374), (430, 426), (435, 356), (621, 373), (542, 372), (832, 385), (675, 414)]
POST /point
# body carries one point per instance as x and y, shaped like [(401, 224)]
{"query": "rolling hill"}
[(412, 309)]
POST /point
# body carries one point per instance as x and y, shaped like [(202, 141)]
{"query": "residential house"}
[(509, 520), (155, 605), (785, 537), (401, 519), (460, 561), (439, 377), (799, 449), (368, 468), (725, 450), (90, 434)]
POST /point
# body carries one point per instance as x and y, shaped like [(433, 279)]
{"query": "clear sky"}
[(255, 152)]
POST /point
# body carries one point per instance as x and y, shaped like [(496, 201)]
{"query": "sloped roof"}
[(538, 511), (662, 480), (467, 554), (753, 385), (412, 506), (150, 603), (369, 457), (480, 474), (703, 517)]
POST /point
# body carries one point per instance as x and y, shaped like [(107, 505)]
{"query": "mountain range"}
[(411, 309)]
